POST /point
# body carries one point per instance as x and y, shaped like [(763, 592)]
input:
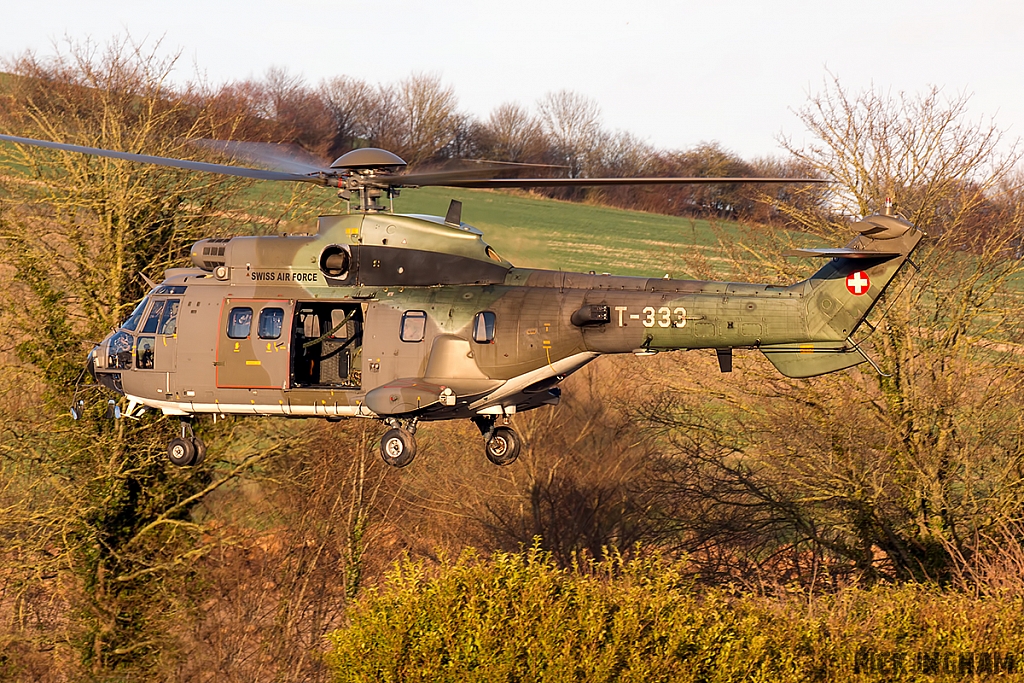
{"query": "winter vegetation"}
[(666, 522)]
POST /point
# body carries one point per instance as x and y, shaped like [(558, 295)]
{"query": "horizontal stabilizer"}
[(810, 360), (843, 253)]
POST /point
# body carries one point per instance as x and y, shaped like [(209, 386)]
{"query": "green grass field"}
[(536, 232)]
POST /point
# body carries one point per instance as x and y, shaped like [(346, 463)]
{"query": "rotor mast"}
[(366, 175)]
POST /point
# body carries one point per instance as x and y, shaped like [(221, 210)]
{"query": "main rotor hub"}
[(361, 169), (370, 159)]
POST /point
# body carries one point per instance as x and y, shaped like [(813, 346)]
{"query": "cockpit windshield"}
[(133, 320)]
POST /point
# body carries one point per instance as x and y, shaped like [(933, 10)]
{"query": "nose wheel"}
[(187, 449)]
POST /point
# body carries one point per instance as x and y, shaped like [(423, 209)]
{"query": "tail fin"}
[(841, 294)]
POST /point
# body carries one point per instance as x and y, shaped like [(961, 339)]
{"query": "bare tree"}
[(881, 474), (572, 123), (514, 135), (301, 115), (351, 102), (921, 151), (428, 117), (622, 154)]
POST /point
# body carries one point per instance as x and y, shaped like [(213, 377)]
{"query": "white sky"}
[(673, 73)]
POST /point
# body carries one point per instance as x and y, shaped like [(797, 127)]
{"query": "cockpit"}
[(138, 342)]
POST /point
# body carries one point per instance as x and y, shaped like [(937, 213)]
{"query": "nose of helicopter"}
[(96, 368), (90, 362)]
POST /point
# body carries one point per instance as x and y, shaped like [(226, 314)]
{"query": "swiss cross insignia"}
[(858, 283)]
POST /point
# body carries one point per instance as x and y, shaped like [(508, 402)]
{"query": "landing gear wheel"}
[(398, 447), (200, 451), (503, 446), (181, 452)]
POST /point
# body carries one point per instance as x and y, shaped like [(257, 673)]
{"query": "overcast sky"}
[(673, 73)]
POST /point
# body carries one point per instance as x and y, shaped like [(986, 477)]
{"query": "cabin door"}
[(253, 346)]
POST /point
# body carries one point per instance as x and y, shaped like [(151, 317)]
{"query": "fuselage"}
[(199, 365), (343, 323)]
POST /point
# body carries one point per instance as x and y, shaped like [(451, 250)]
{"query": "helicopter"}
[(415, 318)]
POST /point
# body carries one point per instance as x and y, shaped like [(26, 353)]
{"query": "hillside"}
[(537, 232)]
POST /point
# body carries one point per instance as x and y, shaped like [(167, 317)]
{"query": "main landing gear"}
[(501, 443), (187, 449), (398, 445)]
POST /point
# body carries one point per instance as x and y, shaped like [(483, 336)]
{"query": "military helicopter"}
[(414, 318)]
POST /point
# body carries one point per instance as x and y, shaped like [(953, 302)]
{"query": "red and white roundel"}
[(858, 283)]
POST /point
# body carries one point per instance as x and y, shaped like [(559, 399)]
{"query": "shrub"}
[(517, 617)]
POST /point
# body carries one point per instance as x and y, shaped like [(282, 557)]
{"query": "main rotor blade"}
[(223, 169), (459, 170), (453, 178), (515, 164), (280, 157), (412, 179)]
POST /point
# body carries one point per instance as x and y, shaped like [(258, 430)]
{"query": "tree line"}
[(419, 119)]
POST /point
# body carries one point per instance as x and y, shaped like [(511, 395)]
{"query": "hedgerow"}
[(518, 617)]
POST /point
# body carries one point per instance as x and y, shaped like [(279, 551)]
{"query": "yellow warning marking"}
[(236, 347), (807, 348), (351, 231), (252, 362), (547, 350)]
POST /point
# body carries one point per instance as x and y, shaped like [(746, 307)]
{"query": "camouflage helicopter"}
[(410, 318)]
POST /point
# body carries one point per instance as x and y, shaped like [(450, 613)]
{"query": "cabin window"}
[(133, 320), (271, 320), (239, 321), (144, 352), (414, 326), (483, 327)]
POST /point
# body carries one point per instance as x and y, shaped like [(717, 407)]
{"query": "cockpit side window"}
[(145, 350), (133, 320), (169, 319)]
